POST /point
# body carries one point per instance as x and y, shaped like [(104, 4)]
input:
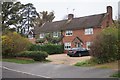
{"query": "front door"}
[(78, 45)]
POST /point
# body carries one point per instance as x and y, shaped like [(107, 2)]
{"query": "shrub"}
[(49, 48), (104, 48), (35, 47), (40, 40), (35, 55), (13, 43)]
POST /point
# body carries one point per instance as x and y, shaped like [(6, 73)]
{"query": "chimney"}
[(109, 11), (70, 16)]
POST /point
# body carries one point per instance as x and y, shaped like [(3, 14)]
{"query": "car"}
[(78, 52)]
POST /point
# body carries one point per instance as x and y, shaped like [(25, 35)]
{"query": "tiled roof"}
[(75, 23)]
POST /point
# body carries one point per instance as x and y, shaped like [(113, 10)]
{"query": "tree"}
[(18, 15), (10, 14), (44, 17), (29, 14)]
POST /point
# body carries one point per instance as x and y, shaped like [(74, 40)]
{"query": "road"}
[(46, 70)]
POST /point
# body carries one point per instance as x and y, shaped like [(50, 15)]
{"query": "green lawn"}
[(23, 61), (117, 75), (20, 61), (89, 63), (86, 63)]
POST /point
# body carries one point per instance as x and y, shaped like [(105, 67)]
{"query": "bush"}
[(49, 48), (13, 43), (105, 46), (35, 55), (40, 40)]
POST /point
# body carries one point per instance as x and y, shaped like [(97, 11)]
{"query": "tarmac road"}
[(46, 70)]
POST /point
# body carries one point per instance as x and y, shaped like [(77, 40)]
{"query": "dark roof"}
[(75, 23)]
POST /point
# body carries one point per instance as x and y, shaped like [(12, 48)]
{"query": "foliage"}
[(117, 75), (44, 17), (49, 37), (13, 43), (17, 14), (10, 14), (49, 48), (40, 40), (21, 61), (29, 14), (105, 46), (35, 55), (85, 63)]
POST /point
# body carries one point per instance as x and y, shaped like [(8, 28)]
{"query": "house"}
[(77, 32)]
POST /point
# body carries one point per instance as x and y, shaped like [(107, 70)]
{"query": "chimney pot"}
[(70, 16)]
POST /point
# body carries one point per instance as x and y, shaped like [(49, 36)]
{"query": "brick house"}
[(77, 32)]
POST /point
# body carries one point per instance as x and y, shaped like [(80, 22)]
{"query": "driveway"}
[(64, 59), (48, 70)]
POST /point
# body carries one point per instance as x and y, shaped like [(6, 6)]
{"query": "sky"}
[(79, 8)]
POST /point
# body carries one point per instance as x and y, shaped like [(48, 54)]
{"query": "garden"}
[(18, 49)]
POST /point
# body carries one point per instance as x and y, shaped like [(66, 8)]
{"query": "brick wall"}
[(81, 34)]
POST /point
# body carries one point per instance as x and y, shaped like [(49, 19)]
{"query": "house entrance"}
[(77, 45)]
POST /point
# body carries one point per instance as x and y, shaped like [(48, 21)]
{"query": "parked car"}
[(78, 52)]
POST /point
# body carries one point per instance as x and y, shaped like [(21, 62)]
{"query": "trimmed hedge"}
[(35, 55), (49, 48)]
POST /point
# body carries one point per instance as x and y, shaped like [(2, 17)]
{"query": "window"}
[(55, 34), (30, 36), (42, 35), (69, 33), (88, 31), (88, 44), (67, 46)]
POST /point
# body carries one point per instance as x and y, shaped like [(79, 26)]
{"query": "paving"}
[(64, 59), (48, 70)]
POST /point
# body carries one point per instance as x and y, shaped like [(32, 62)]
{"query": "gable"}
[(77, 40)]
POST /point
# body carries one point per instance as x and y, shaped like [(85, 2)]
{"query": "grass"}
[(23, 61), (20, 61), (86, 63), (111, 65), (89, 63), (117, 75)]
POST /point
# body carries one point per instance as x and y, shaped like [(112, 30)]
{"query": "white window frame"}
[(88, 44), (55, 34), (68, 33), (30, 36), (88, 31), (67, 46), (42, 35)]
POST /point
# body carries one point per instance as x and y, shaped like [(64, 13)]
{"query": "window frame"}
[(55, 34), (30, 36), (42, 35), (88, 31), (67, 45), (68, 33)]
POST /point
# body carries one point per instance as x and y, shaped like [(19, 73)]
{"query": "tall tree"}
[(44, 17), (29, 15), (18, 15), (10, 14)]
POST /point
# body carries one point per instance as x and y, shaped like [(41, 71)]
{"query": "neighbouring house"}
[(76, 32)]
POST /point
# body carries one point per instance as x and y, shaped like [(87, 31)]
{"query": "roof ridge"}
[(79, 17)]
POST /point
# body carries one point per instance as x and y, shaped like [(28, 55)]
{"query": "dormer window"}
[(88, 31), (55, 34), (69, 33)]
